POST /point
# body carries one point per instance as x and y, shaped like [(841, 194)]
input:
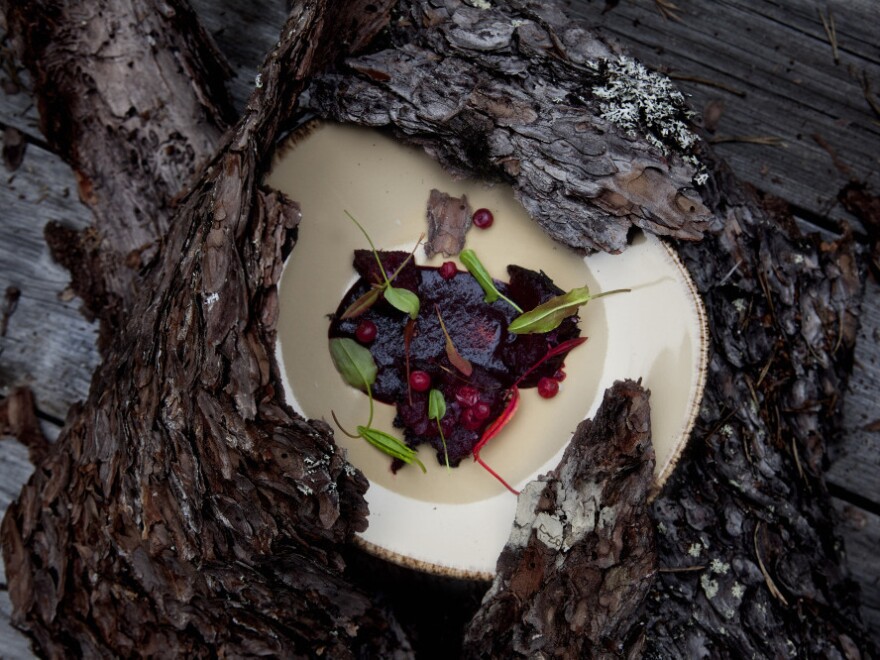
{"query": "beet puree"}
[(479, 332)]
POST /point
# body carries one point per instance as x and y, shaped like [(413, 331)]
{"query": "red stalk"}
[(494, 429), (408, 332), (513, 404)]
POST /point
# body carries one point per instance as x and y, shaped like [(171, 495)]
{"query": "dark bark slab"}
[(581, 556), (131, 96), (184, 510), (523, 95)]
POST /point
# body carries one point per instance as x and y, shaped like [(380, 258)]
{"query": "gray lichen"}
[(646, 103)]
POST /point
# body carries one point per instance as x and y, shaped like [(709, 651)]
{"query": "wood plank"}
[(777, 55), (857, 464), (48, 345), (861, 533), (15, 469), (244, 31)]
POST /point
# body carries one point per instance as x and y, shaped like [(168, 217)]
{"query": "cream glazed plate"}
[(456, 522)]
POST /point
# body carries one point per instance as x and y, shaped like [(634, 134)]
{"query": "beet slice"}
[(479, 332)]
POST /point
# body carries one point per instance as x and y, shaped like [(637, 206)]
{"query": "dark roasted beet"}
[(479, 332)]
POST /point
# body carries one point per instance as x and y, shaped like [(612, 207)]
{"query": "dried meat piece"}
[(449, 219)]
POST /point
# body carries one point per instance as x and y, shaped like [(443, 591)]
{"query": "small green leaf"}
[(475, 267), (403, 299), (549, 315), (436, 410), (390, 445), (362, 304), (354, 362), (436, 405)]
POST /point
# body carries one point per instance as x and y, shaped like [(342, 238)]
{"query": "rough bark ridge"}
[(748, 505), (131, 95), (752, 566), (592, 142), (581, 556), (181, 496)]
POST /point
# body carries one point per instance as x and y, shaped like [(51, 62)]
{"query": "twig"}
[(830, 32), (668, 10), (769, 140), (771, 585), (682, 569), (869, 95)]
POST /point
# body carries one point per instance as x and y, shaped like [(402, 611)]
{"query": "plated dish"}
[(455, 522)]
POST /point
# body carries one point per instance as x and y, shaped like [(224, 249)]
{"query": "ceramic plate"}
[(456, 522)]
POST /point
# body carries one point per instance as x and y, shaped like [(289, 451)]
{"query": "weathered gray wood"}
[(244, 31), (778, 55), (856, 467), (861, 531), (48, 346), (15, 468)]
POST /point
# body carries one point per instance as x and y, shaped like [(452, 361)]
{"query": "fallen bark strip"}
[(521, 94), (18, 419), (131, 96), (581, 556), (183, 510)]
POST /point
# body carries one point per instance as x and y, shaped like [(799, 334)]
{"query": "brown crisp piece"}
[(449, 219)]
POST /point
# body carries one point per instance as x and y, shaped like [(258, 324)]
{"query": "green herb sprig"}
[(475, 267), (436, 411), (358, 368), (549, 315), (403, 299)]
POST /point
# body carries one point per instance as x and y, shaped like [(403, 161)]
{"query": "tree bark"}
[(185, 510), (184, 495), (131, 95), (749, 563), (581, 557)]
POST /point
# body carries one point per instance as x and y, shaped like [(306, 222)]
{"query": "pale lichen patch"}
[(719, 567), (710, 586), (646, 103)]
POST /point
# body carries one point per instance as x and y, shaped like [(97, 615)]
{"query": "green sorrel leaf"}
[(390, 445), (354, 362), (436, 411), (403, 299), (436, 405), (475, 267), (547, 316)]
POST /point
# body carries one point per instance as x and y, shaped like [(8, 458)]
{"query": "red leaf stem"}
[(513, 404)]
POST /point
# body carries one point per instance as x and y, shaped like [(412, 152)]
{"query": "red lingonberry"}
[(420, 381), (366, 331), (559, 375), (448, 270), (483, 218), (482, 410), (467, 396), (548, 388), (469, 419)]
